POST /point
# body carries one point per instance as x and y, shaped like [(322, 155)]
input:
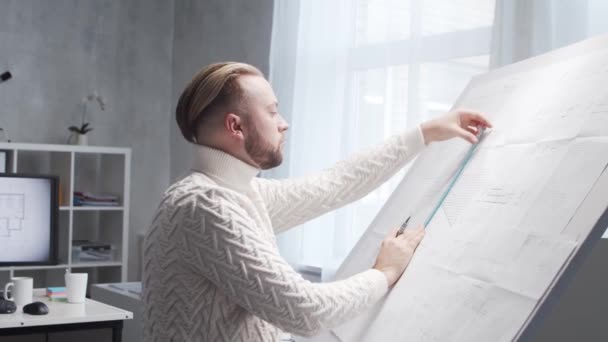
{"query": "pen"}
[(403, 226)]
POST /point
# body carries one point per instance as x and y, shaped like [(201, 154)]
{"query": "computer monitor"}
[(29, 210)]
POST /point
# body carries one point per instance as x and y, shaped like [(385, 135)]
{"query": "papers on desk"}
[(500, 239), (57, 294)]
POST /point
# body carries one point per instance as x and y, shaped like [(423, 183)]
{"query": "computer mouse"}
[(7, 306), (36, 308)]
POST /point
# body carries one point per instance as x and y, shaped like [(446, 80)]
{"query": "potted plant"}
[(79, 133)]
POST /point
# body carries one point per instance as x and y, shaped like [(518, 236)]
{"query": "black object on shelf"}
[(5, 76), (87, 245)]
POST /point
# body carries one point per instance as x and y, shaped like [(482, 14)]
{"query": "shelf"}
[(97, 264), (96, 169), (34, 267), (64, 148), (95, 208), (90, 208)]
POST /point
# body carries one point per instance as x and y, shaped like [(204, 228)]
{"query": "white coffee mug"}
[(23, 288), (76, 286)]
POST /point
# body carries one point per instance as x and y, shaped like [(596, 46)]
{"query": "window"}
[(365, 70)]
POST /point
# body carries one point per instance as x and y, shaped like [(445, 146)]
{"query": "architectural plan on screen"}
[(503, 233), (25, 214)]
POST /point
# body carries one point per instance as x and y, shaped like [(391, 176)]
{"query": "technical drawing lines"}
[(12, 213)]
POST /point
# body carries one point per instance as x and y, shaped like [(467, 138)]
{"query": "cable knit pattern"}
[(212, 269), (292, 202)]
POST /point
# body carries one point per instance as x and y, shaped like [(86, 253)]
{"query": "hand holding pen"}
[(397, 250), (403, 226)]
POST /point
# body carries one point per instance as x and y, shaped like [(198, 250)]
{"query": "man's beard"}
[(261, 151)]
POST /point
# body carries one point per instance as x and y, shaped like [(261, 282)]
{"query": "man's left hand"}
[(458, 123)]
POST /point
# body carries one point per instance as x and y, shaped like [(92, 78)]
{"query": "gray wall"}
[(213, 31), (138, 54), (59, 51)]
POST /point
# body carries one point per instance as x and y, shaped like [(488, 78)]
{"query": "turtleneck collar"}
[(223, 167)]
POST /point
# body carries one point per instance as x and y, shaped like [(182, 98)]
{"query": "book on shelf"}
[(85, 250), (88, 245), (95, 199)]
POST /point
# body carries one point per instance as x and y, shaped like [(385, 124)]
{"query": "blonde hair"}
[(213, 89)]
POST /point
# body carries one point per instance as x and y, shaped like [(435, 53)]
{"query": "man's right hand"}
[(396, 253)]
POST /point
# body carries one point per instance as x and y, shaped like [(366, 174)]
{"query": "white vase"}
[(82, 139)]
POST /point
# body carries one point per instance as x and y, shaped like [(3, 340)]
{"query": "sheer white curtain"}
[(350, 73), (525, 28)]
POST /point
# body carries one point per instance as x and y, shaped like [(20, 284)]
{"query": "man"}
[(212, 269)]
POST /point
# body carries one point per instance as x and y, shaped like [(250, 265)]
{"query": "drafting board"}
[(518, 223)]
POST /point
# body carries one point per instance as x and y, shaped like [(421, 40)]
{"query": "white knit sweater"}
[(212, 269)]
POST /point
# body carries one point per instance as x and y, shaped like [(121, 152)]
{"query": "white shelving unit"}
[(80, 168)]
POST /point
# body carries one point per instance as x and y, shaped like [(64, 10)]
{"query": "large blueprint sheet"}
[(519, 212)]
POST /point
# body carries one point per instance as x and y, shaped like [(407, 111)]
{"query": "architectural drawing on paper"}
[(516, 217)]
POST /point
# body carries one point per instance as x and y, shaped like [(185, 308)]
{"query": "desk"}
[(91, 321), (125, 296)]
